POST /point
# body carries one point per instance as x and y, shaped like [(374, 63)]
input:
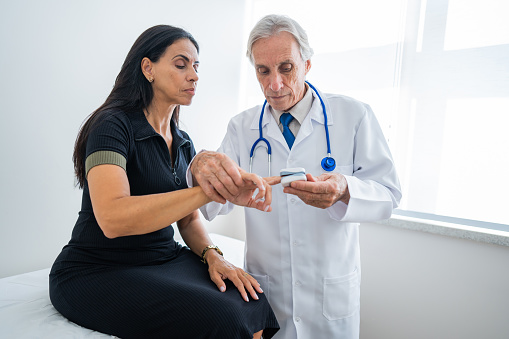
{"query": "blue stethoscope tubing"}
[(328, 163)]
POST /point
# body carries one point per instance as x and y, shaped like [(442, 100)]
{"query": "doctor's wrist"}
[(345, 198), (345, 194), (342, 189)]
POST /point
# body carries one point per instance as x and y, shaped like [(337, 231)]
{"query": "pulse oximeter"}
[(289, 175)]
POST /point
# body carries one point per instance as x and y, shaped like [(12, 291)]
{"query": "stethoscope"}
[(328, 163)]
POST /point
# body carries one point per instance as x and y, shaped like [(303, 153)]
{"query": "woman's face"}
[(175, 74)]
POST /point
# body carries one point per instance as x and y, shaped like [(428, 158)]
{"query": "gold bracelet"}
[(208, 248)]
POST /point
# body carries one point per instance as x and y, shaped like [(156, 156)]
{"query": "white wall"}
[(58, 62), (426, 286)]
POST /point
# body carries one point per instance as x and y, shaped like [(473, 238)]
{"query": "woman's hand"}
[(246, 193), (220, 269)]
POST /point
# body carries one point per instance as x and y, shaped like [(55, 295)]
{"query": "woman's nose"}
[(193, 76)]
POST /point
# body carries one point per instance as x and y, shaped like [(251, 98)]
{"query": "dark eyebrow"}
[(184, 57)]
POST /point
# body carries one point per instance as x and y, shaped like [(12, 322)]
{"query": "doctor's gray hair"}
[(273, 24)]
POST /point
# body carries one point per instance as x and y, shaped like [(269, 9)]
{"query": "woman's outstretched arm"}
[(120, 214)]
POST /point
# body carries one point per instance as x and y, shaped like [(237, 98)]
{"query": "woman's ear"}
[(147, 69)]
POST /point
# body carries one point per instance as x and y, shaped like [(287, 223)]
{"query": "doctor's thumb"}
[(311, 178)]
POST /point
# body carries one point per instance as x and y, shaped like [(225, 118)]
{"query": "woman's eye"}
[(180, 66)]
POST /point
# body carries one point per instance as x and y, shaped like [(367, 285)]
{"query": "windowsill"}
[(449, 229)]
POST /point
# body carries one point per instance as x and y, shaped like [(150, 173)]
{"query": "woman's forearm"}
[(196, 237), (132, 215), (194, 234)]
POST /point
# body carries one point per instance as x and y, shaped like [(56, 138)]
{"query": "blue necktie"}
[(285, 121)]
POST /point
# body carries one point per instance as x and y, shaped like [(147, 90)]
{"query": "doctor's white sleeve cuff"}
[(369, 201), (213, 209)]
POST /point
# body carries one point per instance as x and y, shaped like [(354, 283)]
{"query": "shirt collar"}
[(143, 129), (300, 110)]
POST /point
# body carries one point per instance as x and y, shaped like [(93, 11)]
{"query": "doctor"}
[(305, 252)]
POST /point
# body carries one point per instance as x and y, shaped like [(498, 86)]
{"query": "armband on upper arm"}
[(105, 157)]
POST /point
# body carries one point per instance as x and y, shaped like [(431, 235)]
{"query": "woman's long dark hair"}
[(132, 91)]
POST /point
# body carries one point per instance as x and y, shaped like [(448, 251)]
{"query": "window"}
[(436, 73)]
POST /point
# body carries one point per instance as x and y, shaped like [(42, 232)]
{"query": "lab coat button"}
[(292, 200), (297, 283), (295, 243), (297, 319)]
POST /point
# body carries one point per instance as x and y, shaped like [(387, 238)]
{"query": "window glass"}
[(435, 73), (474, 23)]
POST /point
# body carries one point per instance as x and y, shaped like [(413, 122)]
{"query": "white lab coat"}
[(306, 258)]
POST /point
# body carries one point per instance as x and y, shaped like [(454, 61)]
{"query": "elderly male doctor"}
[(305, 251)]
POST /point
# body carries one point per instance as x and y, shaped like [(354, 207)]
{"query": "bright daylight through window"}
[(436, 73)]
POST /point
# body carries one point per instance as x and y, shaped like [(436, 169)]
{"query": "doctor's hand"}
[(217, 174), (322, 191), (223, 180), (220, 269)]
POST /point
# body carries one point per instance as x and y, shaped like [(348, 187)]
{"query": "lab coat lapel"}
[(273, 133), (315, 114)]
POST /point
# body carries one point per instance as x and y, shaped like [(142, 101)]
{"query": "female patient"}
[(122, 273)]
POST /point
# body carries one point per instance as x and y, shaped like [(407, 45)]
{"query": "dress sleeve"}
[(108, 143)]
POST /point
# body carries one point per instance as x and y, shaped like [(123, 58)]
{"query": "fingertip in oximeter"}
[(289, 175)]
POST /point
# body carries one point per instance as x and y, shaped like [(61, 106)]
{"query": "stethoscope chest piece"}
[(328, 164)]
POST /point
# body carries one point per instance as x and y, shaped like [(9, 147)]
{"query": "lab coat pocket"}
[(263, 280), (345, 170), (341, 296)]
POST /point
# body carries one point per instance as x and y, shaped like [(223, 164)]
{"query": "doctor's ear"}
[(308, 65), (147, 69)]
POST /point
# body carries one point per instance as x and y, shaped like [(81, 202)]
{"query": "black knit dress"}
[(146, 286)]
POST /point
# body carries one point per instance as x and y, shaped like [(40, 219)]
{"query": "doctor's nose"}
[(276, 83)]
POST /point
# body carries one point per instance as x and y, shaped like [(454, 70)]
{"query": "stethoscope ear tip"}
[(328, 164)]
